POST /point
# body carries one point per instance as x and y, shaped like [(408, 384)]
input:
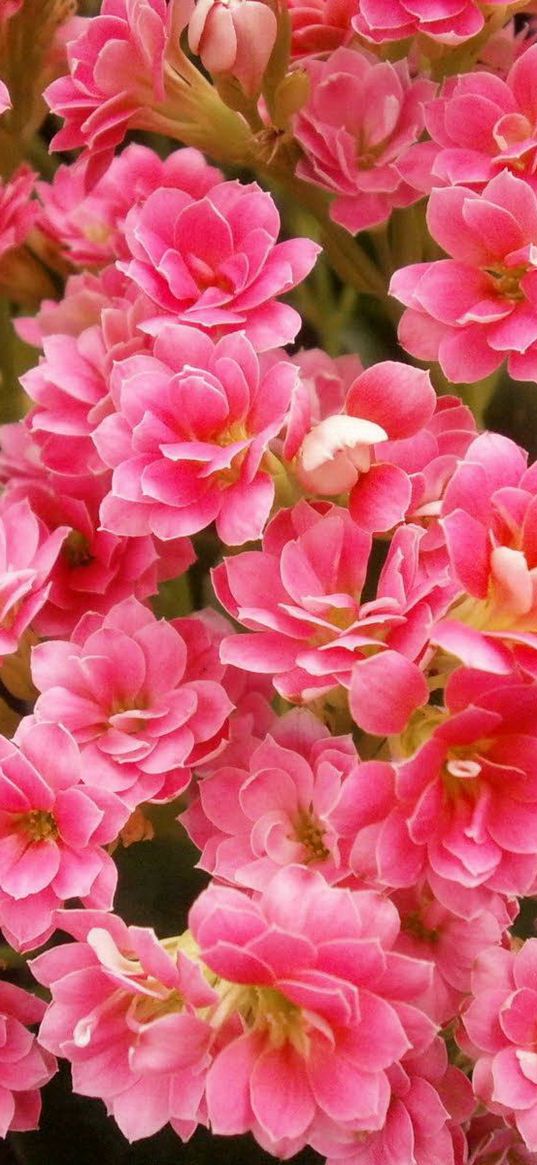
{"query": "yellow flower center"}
[(39, 825)]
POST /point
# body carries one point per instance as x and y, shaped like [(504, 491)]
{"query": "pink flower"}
[(28, 552), (488, 522), (319, 26), (478, 125), (17, 209), (325, 1006), (24, 1067), (492, 1141), (122, 687), (500, 1022), (291, 801), (124, 1013), (214, 261), (117, 73), (88, 226), (189, 440), (52, 831), (95, 569), (449, 21), (362, 114), (234, 37), (5, 99), (473, 310), (299, 597)]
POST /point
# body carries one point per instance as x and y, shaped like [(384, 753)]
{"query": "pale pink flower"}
[(361, 115), (17, 209), (53, 828), (290, 801), (299, 597), (189, 439), (319, 26), (88, 225), (448, 21), (325, 1006), (24, 1066), (123, 687), (123, 1013), (234, 37), (500, 1023), (88, 299), (488, 520), (94, 569), (429, 1099), (478, 307), (215, 262), (479, 124), (5, 99), (28, 553)]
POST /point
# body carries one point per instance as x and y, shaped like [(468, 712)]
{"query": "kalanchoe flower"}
[(325, 1006), (492, 1140), (5, 99), (319, 26), (28, 552), (129, 1027), (290, 802), (299, 597), (24, 1066), (478, 125), (450, 21), (234, 38), (88, 225), (189, 439), (214, 262), (500, 1024), (122, 686), (362, 114), (52, 831), (473, 310)]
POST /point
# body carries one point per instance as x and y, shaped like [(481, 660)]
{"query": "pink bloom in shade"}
[(299, 597), (492, 1141), (319, 26), (449, 21), (234, 37), (479, 124), (488, 521), (214, 262), (429, 1100), (86, 297), (122, 687), (17, 209), (28, 552), (189, 439), (124, 1013), (88, 226), (52, 831), (24, 1066), (430, 931), (325, 1004), (5, 99), (290, 802), (94, 569), (500, 1024), (361, 115), (478, 307), (117, 73)]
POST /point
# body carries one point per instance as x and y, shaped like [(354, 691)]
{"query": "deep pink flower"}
[(500, 1023), (52, 831), (291, 801), (493, 1141), (234, 37), (448, 21), (361, 115), (94, 569), (123, 1013), (479, 124), (88, 225), (319, 26), (489, 515), (28, 552), (478, 307), (189, 439), (214, 262), (24, 1067), (122, 687), (325, 1006), (299, 597)]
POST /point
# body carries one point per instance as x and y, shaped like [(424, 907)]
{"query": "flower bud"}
[(235, 37)]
